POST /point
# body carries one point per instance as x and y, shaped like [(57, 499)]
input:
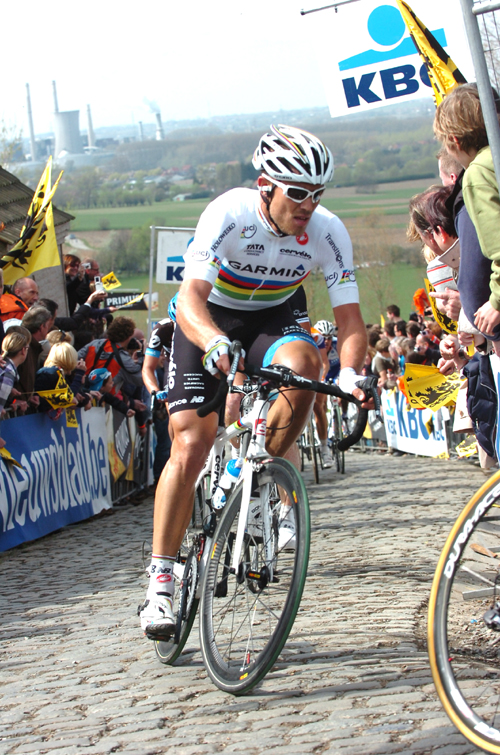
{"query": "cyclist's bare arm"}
[(148, 373), (352, 340)]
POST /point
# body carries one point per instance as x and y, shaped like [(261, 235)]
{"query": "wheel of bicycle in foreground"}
[(246, 616), (185, 607), (464, 652)]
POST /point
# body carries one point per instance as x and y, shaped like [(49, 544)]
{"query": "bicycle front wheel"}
[(464, 649), (247, 613)]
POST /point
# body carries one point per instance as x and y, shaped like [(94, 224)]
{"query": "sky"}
[(193, 59)]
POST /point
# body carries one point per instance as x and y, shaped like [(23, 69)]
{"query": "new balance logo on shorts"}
[(197, 400)]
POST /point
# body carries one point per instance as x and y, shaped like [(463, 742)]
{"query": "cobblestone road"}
[(76, 676)]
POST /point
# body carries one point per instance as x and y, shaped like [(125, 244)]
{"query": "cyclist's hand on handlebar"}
[(216, 358), (349, 382)]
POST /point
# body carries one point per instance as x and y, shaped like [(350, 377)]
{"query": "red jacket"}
[(12, 306)]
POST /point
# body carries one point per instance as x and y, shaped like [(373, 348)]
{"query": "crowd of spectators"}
[(95, 354), (397, 342), (457, 223)]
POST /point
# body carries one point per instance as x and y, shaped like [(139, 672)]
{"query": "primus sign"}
[(369, 59)]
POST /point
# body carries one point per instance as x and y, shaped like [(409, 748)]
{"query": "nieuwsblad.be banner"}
[(368, 59), (63, 478)]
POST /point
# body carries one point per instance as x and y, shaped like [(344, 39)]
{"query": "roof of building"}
[(15, 200)]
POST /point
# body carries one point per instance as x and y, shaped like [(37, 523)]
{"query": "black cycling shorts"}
[(260, 332)]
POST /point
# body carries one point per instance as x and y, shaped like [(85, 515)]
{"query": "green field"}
[(389, 199), (169, 214)]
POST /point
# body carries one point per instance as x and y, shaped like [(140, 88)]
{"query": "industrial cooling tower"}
[(67, 132)]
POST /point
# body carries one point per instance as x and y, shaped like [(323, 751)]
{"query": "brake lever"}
[(236, 351), (369, 386)]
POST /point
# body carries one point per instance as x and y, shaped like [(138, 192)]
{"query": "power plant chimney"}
[(30, 125), (141, 132), (90, 129), (54, 93), (159, 128)]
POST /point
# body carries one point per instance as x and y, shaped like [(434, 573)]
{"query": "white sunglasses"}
[(297, 193)]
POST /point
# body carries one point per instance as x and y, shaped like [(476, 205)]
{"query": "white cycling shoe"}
[(326, 457), (157, 618), (286, 532)]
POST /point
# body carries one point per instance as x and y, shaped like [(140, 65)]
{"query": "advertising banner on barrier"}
[(408, 431), (63, 478)]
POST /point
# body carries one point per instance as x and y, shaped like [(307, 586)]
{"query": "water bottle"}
[(227, 480)]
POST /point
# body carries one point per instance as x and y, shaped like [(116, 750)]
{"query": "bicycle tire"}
[(185, 607), (244, 623), (315, 457), (337, 437), (465, 663)]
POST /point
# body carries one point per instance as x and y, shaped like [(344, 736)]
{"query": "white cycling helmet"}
[(290, 154), (325, 328)]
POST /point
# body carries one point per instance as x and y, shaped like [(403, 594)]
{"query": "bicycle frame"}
[(256, 422)]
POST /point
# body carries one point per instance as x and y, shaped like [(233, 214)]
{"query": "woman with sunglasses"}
[(252, 249)]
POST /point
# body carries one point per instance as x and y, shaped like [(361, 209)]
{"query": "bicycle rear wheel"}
[(335, 435), (464, 652), (246, 616), (314, 451)]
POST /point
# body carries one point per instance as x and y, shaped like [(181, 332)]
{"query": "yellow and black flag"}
[(37, 245), (443, 73)]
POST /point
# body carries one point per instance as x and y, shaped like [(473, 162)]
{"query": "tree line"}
[(366, 152)]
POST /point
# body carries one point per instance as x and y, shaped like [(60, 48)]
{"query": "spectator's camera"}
[(99, 285)]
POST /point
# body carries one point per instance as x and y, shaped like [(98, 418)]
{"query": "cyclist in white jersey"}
[(251, 251)]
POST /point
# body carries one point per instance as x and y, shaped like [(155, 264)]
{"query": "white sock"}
[(287, 517), (161, 577)]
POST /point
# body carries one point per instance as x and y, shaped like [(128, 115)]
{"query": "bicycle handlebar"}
[(284, 377), (225, 383)]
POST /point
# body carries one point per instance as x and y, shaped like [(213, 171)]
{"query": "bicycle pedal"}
[(492, 618)]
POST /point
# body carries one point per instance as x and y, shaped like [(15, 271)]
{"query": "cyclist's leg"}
[(189, 385), (193, 439), (292, 408), (322, 429)]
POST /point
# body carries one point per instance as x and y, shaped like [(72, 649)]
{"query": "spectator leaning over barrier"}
[(37, 321), (100, 383), (24, 293), (83, 312), (15, 347), (459, 125), (63, 360), (111, 353)]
